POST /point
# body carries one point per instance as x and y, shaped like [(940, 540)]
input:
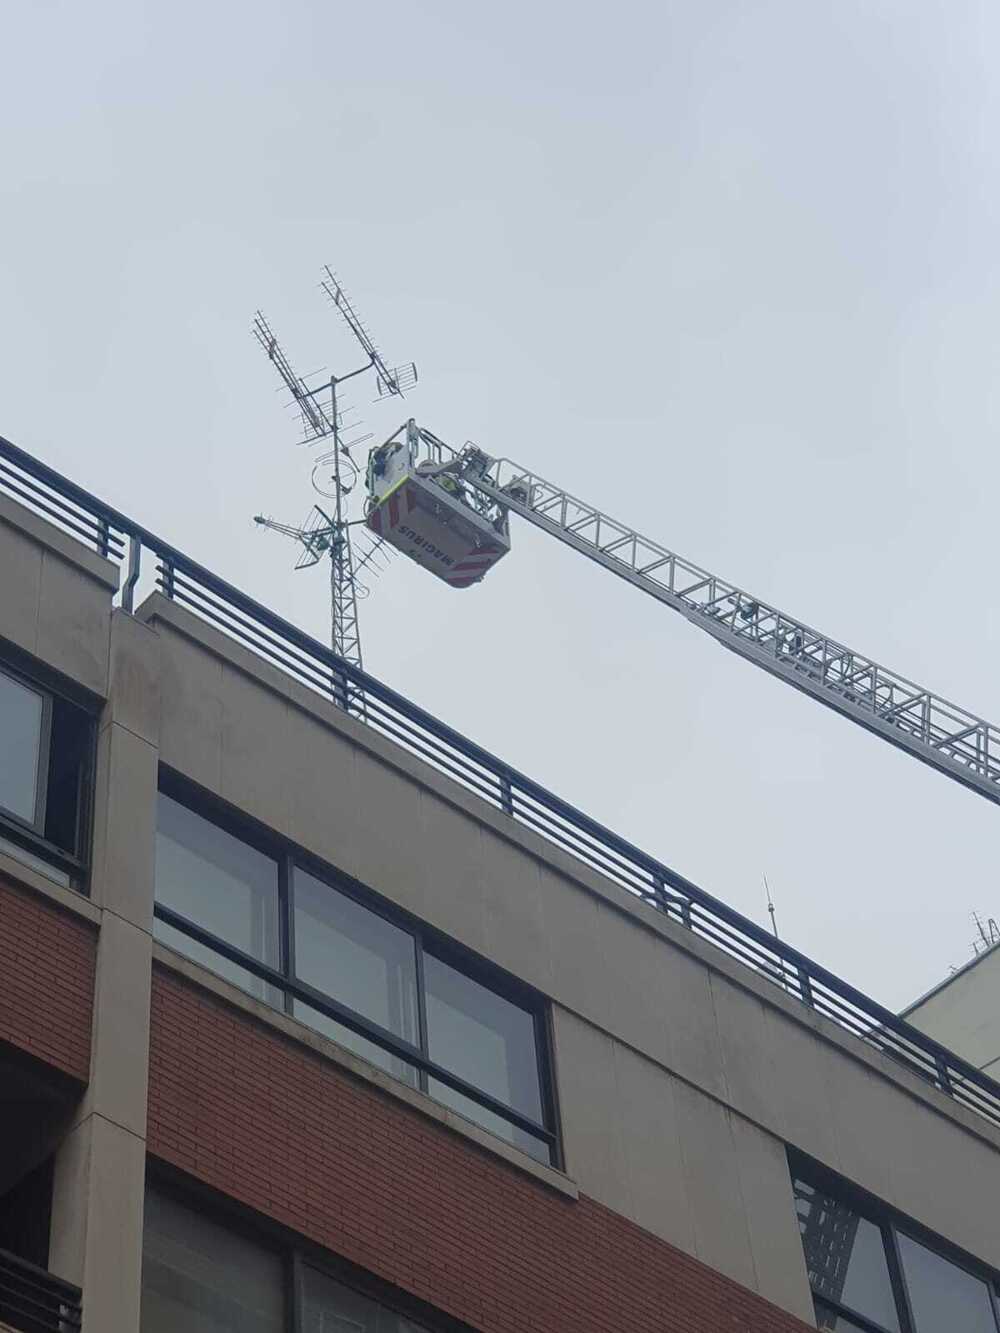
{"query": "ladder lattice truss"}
[(942, 734)]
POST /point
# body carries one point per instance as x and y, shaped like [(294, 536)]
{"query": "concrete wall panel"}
[(648, 1124), (20, 587), (191, 711), (55, 597), (255, 750), (74, 623), (964, 1012), (595, 1149), (711, 1170), (766, 1192)]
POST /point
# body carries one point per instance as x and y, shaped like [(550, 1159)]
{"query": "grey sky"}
[(728, 269)]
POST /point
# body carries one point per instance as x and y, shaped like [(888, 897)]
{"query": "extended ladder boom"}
[(940, 733)]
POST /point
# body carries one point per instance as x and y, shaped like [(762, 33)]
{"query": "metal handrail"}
[(36, 1301), (517, 796)]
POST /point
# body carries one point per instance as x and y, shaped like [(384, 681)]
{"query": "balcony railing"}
[(33, 1301), (282, 644)]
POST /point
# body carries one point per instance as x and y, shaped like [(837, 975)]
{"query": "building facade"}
[(963, 1011), (315, 1018)]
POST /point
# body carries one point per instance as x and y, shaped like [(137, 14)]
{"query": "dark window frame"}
[(891, 1224), (43, 764), (296, 1252), (288, 855), (30, 835)]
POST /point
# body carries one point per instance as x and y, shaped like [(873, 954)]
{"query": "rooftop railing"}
[(285, 646), (33, 1301)]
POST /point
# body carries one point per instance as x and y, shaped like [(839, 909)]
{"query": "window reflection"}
[(845, 1255), (221, 884), (21, 714), (942, 1295), (489, 1042), (329, 1307), (356, 956), (203, 1278)]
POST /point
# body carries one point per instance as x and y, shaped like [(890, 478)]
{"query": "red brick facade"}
[(269, 1123), (47, 960)]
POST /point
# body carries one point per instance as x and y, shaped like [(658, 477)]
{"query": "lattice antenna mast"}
[(319, 422), (321, 419)]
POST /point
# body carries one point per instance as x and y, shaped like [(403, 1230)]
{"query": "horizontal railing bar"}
[(90, 531), (11, 1262), (28, 1307)]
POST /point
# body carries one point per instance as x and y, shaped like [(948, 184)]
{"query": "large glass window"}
[(846, 1257), (330, 1307), (942, 1295), (489, 1042), (359, 959), (223, 885), (868, 1275), (200, 1277), (22, 777), (46, 770), (342, 960)]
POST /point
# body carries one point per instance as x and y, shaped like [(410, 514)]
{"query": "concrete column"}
[(96, 1236)]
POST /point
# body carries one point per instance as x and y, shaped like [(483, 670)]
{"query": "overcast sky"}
[(727, 268)]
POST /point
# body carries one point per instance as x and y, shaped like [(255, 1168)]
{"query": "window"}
[(202, 1278), (46, 766), (242, 903), (846, 1257), (942, 1295), (24, 716), (330, 1307), (361, 960), (221, 884), (867, 1274), (490, 1042)]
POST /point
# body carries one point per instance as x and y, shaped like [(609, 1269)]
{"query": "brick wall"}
[(269, 1123), (47, 959)]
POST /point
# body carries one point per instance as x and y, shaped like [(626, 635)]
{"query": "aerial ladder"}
[(448, 509)]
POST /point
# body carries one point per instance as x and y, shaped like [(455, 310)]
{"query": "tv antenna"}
[(989, 934), (323, 417)]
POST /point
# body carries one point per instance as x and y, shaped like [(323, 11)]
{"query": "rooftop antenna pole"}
[(321, 422), (346, 634), (770, 908), (774, 927)]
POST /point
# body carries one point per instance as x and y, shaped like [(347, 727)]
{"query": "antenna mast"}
[(322, 418)]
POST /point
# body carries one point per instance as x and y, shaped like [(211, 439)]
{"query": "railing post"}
[(660, 893), (132, 577), (103, 537), (944, 1076), (506, 795), (338, 686), (805, 988), (167, 577)]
